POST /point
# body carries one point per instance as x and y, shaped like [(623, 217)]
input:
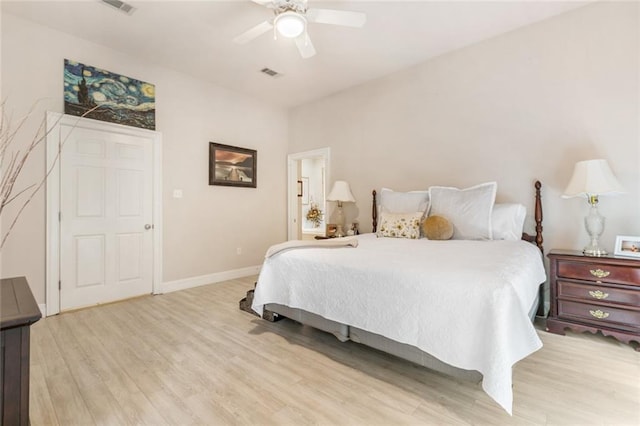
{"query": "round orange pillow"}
[(437, 228)]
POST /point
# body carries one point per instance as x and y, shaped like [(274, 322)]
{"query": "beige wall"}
[(522, 106), (203, 229)]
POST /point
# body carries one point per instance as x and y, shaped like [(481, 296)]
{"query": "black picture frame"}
[(232, 166)]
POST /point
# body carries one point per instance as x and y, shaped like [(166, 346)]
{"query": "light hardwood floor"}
[(192, 357)]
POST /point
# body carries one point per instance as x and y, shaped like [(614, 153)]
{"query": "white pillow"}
[(403, 202), (507, 221), (469, 210), (400, 225)]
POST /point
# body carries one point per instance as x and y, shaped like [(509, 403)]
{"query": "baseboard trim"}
[(183, 284), (43, 309)]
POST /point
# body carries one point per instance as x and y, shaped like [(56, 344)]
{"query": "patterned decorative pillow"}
[(400, 225)]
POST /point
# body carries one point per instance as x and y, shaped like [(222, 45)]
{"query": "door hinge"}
[(59, 216), (59, 285)]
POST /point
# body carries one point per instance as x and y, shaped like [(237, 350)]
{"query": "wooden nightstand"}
[(595, 294)]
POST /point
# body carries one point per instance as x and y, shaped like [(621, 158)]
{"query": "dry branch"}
[(10, 172)]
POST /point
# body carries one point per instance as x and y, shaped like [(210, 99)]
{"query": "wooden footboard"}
[(537, 239)]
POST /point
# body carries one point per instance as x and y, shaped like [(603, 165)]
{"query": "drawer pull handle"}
[(599, 273), (599, 314), (598, 294)]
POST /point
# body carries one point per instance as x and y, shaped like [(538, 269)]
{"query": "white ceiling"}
[(195, 37)]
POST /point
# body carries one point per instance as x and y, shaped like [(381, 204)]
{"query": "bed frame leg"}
[(247, 301), (271, 316)]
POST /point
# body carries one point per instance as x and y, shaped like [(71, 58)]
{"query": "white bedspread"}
[(464, 302)]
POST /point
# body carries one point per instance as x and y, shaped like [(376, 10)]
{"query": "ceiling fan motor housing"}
[(281, 6)]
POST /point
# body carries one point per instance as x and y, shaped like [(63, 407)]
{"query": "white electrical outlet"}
[(177, 193)]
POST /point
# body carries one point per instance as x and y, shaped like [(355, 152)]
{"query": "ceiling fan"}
[(291, 19)]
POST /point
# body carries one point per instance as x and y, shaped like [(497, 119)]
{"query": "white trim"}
[(292, 184), (216, 277), (157, 214), (52, 233), (43, 309), (52, 188)]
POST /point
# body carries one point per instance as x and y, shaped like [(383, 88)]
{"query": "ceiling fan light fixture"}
[(290, 24)]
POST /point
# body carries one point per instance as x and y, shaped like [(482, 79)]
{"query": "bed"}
[(463, 307)]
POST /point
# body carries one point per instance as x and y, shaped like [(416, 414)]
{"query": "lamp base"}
[(594, 251), (594, 223), (339, 221)]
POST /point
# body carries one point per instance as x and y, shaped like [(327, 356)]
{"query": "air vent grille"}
[(120, 5), (270, 72)]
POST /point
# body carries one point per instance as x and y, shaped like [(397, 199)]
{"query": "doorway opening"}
[(308, 174)]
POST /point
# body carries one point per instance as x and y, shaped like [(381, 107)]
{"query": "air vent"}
[(270, 72), (120, 5)]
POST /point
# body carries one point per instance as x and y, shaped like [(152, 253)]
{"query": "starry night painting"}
[(118, 99)]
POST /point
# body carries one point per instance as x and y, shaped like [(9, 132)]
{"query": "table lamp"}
[(590, 179), (342, 194)]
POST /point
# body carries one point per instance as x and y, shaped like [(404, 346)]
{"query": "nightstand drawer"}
[(594, 271), (595, 292), (599, 314)]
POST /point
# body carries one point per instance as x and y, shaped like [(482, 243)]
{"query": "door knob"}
[(148, 226)]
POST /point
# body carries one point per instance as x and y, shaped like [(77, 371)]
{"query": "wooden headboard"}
[(537, 239)]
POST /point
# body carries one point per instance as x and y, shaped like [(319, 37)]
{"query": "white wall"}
[(202, 230), (522, 106)]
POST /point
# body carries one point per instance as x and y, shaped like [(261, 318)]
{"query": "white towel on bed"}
[(297, 244)]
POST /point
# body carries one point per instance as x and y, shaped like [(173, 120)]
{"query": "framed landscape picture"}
[(232, 166)]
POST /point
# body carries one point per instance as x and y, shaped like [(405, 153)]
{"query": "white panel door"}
[(106, 205)]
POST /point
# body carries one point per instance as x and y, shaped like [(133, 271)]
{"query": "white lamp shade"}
[(290, 24), (341, 192), (592, 177)]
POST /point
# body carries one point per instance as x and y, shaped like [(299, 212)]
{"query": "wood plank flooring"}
[(193, 358)]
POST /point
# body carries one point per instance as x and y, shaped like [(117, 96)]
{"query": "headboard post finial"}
[(374, 210), (538, 216)]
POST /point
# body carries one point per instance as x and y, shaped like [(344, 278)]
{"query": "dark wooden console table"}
[(18, 310)]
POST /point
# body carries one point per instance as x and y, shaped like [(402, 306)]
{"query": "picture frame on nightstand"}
[(627, 246)]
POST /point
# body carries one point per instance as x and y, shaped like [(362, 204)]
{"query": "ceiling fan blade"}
[(266, 3), (254, 32), (305, 47), (337, 17)]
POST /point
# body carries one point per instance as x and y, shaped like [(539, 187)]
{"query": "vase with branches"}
[(14, 154)]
